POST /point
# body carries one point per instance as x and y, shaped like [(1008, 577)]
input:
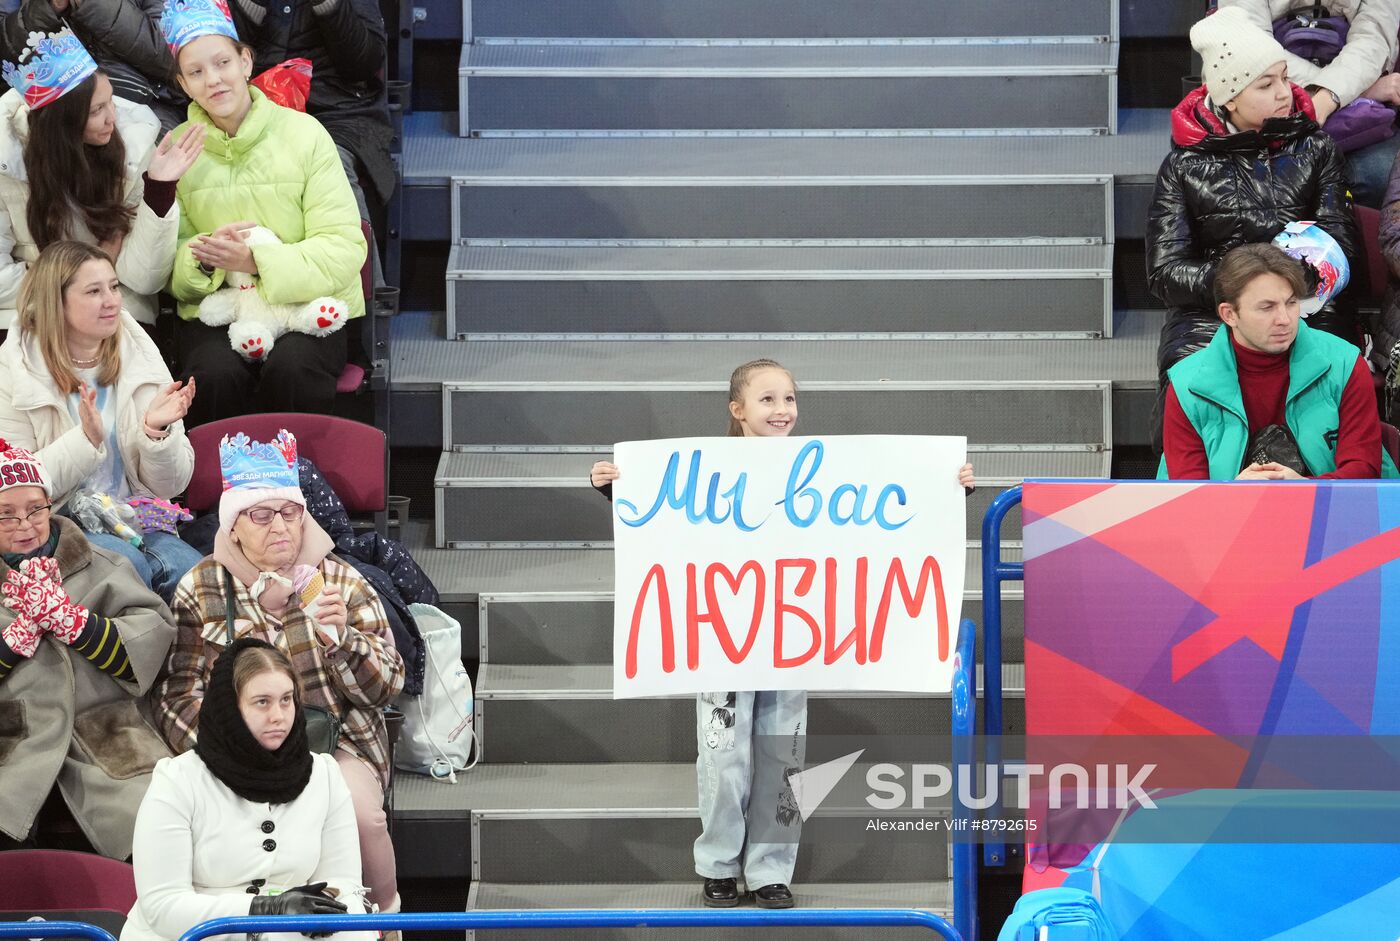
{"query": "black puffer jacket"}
[(122, 35), (1217, 190), (345, 41)]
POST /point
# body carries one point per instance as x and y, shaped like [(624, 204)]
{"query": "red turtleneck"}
[(1264, 388)]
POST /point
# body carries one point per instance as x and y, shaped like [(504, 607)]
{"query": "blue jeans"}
[(1369, 170), (749, 743), (161, 562)]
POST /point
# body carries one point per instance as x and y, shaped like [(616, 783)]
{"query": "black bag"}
[(1275, 444), (322, 725)]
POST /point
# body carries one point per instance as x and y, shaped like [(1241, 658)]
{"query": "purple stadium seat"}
[(59, 880), (1368, 224), (352, 377), (350, 455), (1390, 441)]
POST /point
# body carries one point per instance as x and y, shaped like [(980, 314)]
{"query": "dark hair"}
[(1244, 263), (69, 178), (739, 381)]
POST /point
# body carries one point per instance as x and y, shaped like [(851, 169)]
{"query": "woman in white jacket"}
[(250, 822), (71, 167), (84, 387)]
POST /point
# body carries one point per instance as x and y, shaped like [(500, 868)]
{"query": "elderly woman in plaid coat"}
[(272, 576)]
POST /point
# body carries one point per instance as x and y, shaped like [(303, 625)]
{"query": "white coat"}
[(148, 251), (1371, 42), (34, 415), (199, 847)]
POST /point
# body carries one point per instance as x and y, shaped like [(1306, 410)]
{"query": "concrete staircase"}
[(912, 204)]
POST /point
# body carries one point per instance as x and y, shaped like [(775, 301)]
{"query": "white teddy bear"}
[(254, 324)]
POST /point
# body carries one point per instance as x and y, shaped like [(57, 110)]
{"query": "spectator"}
[(122, 35), (1385, 330), (277, 168), (271, 561), (71, 161), (1360, 70), (1247, 158), (80, 638), (1267, 375), (83, 385), (249, 822), (345, 42)]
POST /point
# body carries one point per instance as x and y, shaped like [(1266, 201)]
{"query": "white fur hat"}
[(1234, 52)]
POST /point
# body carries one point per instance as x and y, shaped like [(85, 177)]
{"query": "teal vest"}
[(1207, 386)]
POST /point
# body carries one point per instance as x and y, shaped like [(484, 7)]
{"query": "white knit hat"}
[(20, 468), (1234, 52)]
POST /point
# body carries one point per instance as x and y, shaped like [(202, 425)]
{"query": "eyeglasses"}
[(9, 524), (262, 515)]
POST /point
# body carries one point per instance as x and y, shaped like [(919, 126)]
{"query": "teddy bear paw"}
[(250, 340), (321, 317), (218, 308)]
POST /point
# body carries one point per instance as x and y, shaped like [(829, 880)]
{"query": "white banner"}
[(787, 563)]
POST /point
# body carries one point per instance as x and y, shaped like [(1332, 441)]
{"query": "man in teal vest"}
[(1264, 368)]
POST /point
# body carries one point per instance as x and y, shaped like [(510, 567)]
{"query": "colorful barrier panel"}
[(1241, 643)]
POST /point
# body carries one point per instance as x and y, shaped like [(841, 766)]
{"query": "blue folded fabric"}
[(1057, 915)]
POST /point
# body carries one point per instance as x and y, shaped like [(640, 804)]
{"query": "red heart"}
[(716, 616), (323, 322)]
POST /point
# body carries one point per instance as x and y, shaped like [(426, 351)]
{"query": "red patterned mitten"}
[(22, 636), (42, 567), (46, 604)]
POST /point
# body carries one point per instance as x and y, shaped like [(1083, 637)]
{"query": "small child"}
[(750, 743)]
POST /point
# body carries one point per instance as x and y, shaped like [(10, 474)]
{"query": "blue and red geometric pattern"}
[(1240, 615)]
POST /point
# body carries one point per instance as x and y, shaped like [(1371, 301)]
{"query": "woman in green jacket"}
[(268, 166)]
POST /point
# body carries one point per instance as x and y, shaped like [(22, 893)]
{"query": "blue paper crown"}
[(248, 463), (50, 66), (183, 21)]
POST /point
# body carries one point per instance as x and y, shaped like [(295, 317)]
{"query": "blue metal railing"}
[(580, 918), (994, 572), (964, 696), (964, 708), (53, 929), (964, 738)]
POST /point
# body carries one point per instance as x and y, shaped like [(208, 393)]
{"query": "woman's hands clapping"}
[(89, 417), (173, 157), (170, 405)]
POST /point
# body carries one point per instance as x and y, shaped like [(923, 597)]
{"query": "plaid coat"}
[(355, 679)]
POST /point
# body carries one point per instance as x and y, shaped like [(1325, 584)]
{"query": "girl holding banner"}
[(750, 743)]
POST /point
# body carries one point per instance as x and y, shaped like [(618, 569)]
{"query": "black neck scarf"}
[(234, 756)]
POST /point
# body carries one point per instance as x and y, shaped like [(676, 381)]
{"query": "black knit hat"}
[(230, 751)]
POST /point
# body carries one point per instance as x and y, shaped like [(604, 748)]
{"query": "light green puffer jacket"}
[(281, 171)]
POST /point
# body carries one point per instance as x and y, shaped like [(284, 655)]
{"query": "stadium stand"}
[(64, 884), (918, 207)]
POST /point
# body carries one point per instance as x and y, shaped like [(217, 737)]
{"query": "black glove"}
[(303, 900)]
